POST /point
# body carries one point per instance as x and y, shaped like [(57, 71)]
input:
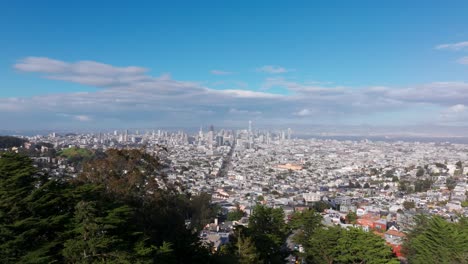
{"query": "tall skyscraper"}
[(209, 139), (250, 136)]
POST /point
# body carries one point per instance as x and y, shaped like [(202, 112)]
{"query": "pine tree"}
[(338, 245), (434, 240), (268, 232), (33, 212)]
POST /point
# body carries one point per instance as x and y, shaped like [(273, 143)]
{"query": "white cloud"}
[(84, 72), (82, 118), (303, 112), (243, 112), (272, 69), (457, 108), (453, 46), (454, 115), (130, 97), (219, 72), (463, 60), (46, 65)]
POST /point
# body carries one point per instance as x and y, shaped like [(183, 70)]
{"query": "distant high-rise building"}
[(209, 139), (250, 136), (219, 140), (211, 128), (289, 133), (126, 136)]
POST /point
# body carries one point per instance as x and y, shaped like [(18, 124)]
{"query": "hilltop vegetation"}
[(9, 142), (122, 209), (75, 154), (127, 216)]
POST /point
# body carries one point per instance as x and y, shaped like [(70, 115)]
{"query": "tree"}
[(450, 183), (33, 212), (247, 252), (9, 142), (320, 206), (366, 185), (201, 210), (409, 205), (268, 232), (94, 239), (420, 172), (351, 217), (305, 223), (422, 185), (235, 215), (119, 210), (337, 245), (434, 240), (240, 250)]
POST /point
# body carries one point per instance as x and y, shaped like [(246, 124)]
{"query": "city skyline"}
[(400, 66)]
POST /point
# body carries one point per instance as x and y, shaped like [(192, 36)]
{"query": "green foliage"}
[(351, 218), (450, 183), (76, 154), (420, 172), (405, 187), (409, 205), (305, 224), (434, 240), (320, 206), (240, 250), (117, 211), (247, 252), (441, 165), (9, 142), (33, 212), (235, 215), (337, 245), (422, 185), (201, 210), (268, 231), (95, 236)]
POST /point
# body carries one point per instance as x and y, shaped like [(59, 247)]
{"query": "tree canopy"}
[(435, 240), (9, 142), (118, 210)]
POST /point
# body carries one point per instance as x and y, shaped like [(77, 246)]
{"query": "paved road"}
[(223, 171)]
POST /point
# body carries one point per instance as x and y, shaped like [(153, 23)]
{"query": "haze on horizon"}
[(89, 65)]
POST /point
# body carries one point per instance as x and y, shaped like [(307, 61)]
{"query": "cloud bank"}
[(130, 97)]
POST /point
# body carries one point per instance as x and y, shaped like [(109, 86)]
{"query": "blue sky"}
[(288, 62)]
